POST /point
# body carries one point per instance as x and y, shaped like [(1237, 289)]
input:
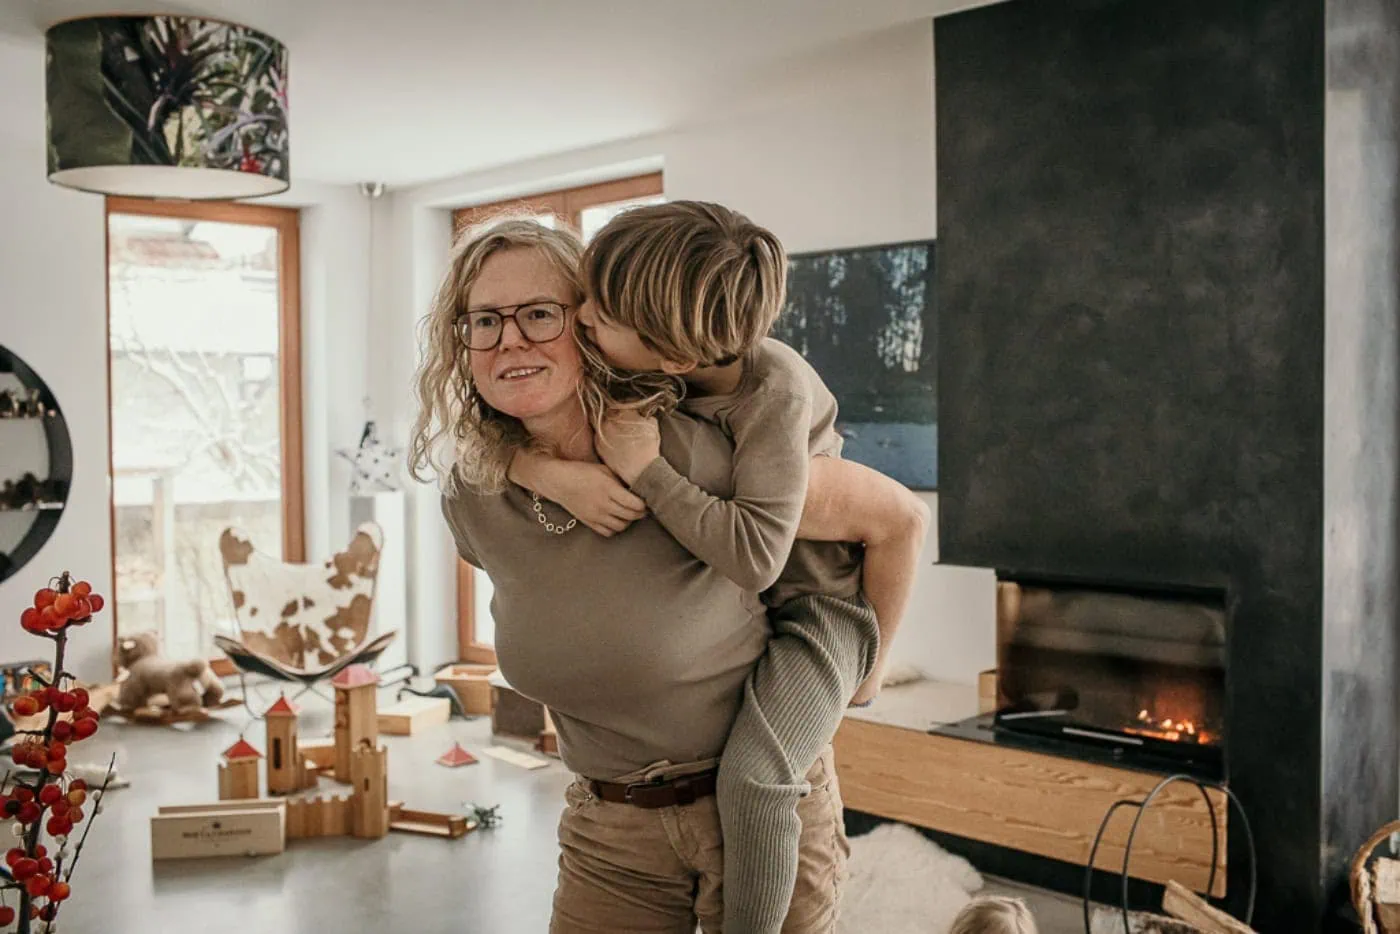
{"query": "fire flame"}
[(1170, 728)]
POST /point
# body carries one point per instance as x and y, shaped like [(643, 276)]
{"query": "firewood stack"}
[(1375, 885), (1183, 912)]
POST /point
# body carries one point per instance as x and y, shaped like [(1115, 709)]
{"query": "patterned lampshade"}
[(167, 107)]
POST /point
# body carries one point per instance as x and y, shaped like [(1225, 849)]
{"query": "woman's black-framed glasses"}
[(539, 323)]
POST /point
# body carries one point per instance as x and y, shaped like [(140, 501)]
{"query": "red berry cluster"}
[(34, 870), (49, 803), (54, 610)]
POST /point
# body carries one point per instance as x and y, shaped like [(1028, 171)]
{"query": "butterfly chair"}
[(302, 623)]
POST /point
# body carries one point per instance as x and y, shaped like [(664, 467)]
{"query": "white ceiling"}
[(406, 91)]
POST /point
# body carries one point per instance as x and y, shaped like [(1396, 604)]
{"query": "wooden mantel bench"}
[(891, 765)]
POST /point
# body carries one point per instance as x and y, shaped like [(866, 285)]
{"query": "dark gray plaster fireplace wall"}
[(1167, 289)]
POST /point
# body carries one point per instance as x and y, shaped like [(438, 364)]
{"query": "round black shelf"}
[(42, 515)]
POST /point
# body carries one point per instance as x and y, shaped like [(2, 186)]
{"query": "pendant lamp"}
[(166, 107)]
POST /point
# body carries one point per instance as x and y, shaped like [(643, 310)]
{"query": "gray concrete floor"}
[(496, 881)]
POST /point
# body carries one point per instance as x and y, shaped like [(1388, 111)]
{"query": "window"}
[(205, 403), (586, 209)]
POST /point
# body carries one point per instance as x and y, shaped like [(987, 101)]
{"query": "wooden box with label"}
[(225, 828)]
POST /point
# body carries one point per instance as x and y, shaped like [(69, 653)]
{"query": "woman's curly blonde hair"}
[(457, 436)]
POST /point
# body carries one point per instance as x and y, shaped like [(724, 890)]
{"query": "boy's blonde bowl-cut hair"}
[(699, 283)]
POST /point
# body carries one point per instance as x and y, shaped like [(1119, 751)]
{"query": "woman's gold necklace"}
[(544, 521)]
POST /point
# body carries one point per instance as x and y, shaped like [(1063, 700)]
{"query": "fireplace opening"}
[(1138, 671)]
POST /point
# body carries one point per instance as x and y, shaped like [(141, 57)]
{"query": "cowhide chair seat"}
[(302, 622)]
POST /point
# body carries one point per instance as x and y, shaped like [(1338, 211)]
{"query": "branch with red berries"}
[(48, 806)]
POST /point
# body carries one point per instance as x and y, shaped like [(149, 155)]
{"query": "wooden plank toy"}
[(515, 757), (413, 714), (428, 823)]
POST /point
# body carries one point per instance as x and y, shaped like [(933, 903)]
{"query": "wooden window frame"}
[(287, 222), (468, 648), (567, 204)]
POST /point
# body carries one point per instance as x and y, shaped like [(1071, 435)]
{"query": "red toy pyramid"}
[(283, 707), (456, 756), (241, 750), (355, 676)]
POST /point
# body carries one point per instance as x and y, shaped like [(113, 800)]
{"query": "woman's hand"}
[(590, 492), (627, 443)]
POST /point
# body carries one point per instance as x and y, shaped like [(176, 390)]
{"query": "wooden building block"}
[(987, 691), (471, 686), (296, 819), (513, 714), (238, 779), (284, 757), (320, 816), (427, 823), (319, 752), (414, 714), (369, 769), (548, 743), (255, 804), (356, 722), (317, 759), (215, 830), (335, 816)]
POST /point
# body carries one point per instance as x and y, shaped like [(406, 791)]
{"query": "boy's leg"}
[(822, 854), (822, 648)]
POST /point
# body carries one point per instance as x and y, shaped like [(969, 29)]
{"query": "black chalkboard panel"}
[(1131, 359)]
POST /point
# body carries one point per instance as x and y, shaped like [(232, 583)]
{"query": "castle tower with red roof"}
[(356, 715), (238, 773), (285, 772)]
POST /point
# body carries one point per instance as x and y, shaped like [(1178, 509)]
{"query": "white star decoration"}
[(373, 464)]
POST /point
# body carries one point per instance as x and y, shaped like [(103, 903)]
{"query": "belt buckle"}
[(628, 789)]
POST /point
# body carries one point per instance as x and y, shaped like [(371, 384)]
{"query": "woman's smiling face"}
[(525, 380)]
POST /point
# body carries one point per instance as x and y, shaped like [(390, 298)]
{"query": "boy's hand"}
[(594, 496), (590, 492), (629, 442)]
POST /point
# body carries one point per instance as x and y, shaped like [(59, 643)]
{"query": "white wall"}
[(831, 151), (53, 274), (52, 313)]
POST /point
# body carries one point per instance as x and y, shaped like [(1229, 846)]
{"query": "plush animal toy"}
[(186, 685)]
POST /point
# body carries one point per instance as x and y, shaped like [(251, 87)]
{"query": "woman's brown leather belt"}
[(671, 792)]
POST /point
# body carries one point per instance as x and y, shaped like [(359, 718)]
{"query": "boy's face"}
[(620, 345)]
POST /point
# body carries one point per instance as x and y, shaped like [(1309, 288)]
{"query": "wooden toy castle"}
[(353, 757)]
